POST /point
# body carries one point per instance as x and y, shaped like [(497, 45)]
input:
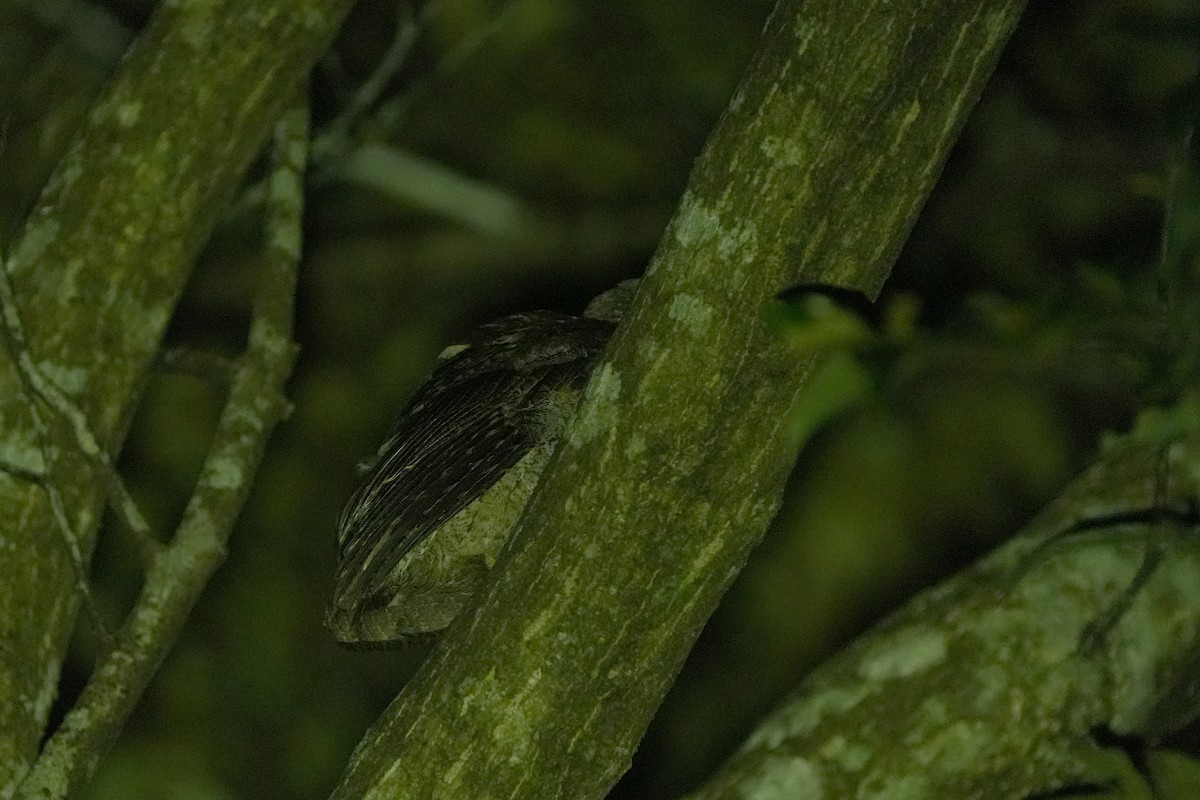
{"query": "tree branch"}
[(96, 272), (992, 685), (178, 575), (675, 461)]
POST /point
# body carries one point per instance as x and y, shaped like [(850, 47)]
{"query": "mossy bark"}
[(675, 462), (97, 270), (993, 685)]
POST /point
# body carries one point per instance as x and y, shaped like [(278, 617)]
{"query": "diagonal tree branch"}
[(995, 684), (675, 461), (992, 685), (179, 573), (96, 272)]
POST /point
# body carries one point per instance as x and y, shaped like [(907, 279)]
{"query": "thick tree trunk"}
[(675, 462)]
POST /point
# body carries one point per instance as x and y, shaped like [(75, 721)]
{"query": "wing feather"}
[(474, 418)]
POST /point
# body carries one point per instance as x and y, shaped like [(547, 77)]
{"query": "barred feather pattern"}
[(418, 536)]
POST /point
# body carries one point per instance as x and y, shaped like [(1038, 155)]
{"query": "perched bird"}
[(417, 538)]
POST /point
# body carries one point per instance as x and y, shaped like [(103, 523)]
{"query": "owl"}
[(448, 484)]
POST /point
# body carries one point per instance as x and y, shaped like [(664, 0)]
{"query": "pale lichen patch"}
[(19, 451), (737, 101), (911, 114), (128, 113), (69, 173), (538, 625), (695, 221), (652, 353), (285, 192), (958, 747), (522, 716), (47, 689), (71, 379), (850, 756), (804, 32), (286, 240), (780, 777), (598, 411), (225, 473), (785, 152), (711, 549), (907, 653), (898, 787), (800, 719), (196, 23), (914, 111), (32, 244), (636, 447), (285, 189), (697, 225), (693, 313), (739, 242)]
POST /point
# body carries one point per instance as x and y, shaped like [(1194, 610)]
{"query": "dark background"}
[(1020, 324)]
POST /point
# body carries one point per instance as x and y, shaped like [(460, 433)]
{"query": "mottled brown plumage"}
[(417, 538)]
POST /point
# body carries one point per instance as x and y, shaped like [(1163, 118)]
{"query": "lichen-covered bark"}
[(990, 686), (178, 572), (97, 270), (675, 461)]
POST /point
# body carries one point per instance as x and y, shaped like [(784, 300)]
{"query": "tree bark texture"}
[(97, 270), (674, 464)]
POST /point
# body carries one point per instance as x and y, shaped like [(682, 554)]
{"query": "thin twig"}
[(382, 167), (392, 113), (206, 365), (369, 91)]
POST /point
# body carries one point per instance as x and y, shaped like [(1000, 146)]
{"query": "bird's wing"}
[(474, 418)]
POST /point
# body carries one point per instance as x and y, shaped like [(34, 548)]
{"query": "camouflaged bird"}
[(416, 540)]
